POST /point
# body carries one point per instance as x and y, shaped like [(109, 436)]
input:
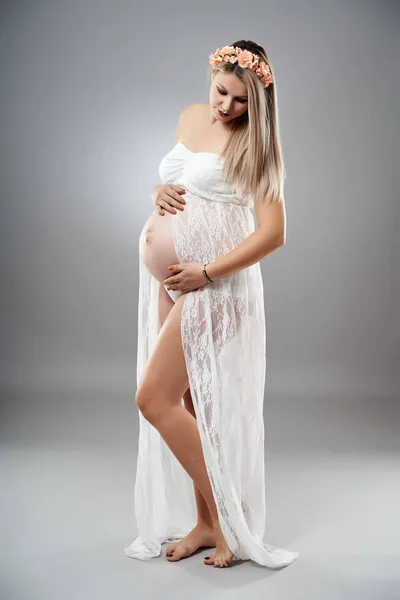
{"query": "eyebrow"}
[(225, 90)]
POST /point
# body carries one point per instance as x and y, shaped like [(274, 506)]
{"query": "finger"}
[(167, 206), (176, 199), (178, 188), (176, 268), (177, 203)]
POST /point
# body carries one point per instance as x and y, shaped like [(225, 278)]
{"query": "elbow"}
[(272, 245), (281, 241), (271, 240), (281, 236)]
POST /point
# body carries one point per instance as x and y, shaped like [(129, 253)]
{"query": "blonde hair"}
[(253, 155)]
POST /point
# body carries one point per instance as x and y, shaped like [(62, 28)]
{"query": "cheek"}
[(213, 97), (241, 110)]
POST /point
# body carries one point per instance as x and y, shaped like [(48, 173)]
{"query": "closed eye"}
[(241, 100)]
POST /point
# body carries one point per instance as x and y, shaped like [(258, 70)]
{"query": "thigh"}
[(164, 380), (165, 303)]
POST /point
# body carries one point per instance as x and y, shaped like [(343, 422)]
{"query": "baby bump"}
[(156, 245)]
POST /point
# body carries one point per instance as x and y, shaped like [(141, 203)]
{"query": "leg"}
[(204, 519), (163, 383)]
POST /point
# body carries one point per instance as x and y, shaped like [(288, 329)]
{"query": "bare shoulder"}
[(189, 116)]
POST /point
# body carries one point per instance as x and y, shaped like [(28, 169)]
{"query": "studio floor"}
[(67, 474)]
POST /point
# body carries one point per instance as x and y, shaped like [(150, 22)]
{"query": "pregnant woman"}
[(200, 479)]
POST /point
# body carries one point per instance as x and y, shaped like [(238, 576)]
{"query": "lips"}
[(221, 113)]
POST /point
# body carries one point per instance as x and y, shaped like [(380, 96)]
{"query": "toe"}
[(170, 549), (209, 560)]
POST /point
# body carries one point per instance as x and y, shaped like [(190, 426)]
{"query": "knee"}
[(143, 399), (146, 402)]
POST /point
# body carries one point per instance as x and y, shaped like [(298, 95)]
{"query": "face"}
[(229, 95)]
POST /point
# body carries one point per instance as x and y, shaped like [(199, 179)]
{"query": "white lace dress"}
[(224, 342)]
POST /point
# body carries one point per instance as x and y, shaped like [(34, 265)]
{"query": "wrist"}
[(206, 274), (209, 268)]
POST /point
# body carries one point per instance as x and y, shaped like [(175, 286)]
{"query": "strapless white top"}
[(200, 173)]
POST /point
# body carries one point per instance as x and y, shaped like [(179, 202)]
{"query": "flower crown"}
[(245, 59)]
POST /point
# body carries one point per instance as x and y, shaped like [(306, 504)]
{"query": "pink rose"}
[(227, 50), (215, 59), (246, 59), (265, 74)]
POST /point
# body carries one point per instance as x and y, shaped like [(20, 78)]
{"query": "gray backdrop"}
[(90, 96)]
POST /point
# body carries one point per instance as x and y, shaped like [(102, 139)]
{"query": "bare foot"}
[(199, 537), (222, 557)]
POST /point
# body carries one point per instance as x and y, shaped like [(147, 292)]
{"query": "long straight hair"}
[(253, 154)]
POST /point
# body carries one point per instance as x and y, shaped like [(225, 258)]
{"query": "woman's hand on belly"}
[(167, 196), (186, 277)]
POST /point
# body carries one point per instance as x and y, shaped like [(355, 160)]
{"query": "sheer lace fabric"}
[(224, 343)]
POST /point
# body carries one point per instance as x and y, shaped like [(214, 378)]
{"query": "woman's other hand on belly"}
[(186, 277), (167, 197)]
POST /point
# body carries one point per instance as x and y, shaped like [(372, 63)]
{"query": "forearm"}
[(253, 249)]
